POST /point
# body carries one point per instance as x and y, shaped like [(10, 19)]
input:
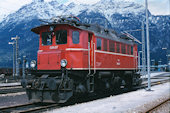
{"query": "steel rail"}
[(28, 107), (8, 108), (158, 82), (7, 90), (152, 84), (10, 87), (39, 109), (157, 106)]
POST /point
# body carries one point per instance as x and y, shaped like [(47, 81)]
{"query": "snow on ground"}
[(127, 102)]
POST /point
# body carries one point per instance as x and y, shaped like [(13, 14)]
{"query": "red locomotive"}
[(76, 58)]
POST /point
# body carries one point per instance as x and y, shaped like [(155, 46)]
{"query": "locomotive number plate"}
[(53, 47)]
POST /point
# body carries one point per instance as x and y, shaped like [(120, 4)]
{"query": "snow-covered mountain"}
[(46, 10), (116, 14), (4, 14)]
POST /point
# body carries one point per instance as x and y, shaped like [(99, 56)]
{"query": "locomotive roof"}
[(93, 28)]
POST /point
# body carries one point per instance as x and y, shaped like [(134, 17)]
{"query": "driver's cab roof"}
[(37, 30), (92, 28)]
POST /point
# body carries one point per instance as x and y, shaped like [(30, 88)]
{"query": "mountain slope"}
[(113, 14)]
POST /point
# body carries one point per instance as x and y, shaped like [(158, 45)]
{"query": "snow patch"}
[(120, 103)]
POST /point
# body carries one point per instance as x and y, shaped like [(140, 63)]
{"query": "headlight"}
[(63, 63), (33, 64)]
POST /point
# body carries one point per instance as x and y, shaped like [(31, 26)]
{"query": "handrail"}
[(94, 59), (89, 57)]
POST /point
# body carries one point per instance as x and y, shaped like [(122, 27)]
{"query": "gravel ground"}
[(15, 99)]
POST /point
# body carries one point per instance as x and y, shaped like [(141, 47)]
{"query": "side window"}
[(75, 37), (61, 37), (118, 47), (128, 50), (131, 50), (123, 48), (46, 38), (105, 45), (111, 46), (99, 43)]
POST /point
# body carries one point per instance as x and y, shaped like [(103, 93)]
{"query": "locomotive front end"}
[(50, 82), (50, 89)]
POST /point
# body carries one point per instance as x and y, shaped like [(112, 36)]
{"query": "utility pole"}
[(23, 67), (148, 48), (139, 64), (143, 51), (14, 66), (16, 53)]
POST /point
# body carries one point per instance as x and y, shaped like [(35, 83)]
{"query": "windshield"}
[(61, 37), (46, 38)]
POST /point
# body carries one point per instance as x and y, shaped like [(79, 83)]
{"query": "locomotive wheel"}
[(129, 84), (116, 84)]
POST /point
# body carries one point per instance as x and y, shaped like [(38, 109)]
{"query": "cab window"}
[(118, 47), (128, 49), (105, 45), (131, 50), (123, 47), (75, 37), (111, 46), (46, 38), (61, 37), (99, 44)]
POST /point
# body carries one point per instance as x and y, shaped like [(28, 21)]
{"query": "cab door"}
[(91, 55), (91, 46)]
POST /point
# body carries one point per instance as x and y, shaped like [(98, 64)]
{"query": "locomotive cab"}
[(51, 48), (59, 47), (56, 43)]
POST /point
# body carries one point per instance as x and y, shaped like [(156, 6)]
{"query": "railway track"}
[(28, 108), (11, 89), (161, 107), (36, 108), (155, 81), (144, 85)]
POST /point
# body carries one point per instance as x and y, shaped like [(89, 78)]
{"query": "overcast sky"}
[(156, 7)]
